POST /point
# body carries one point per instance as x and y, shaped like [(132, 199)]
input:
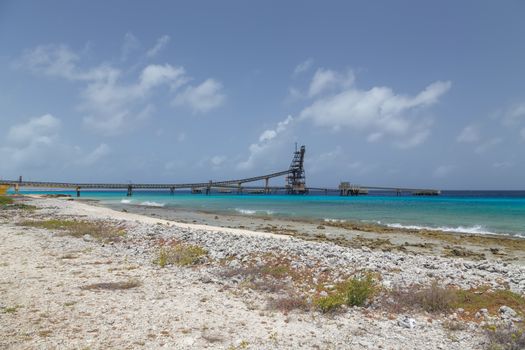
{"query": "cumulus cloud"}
[(217, 161), (378, 110), (31, 144), (326, 79), (41, 129), (36, 145), (303, 66), (161, 43), (469, 134), (94, 156), (111, 106), (267, 144), (202, 98)]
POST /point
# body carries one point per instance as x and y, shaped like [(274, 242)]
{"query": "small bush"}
[(6, 200), (98, 230), (505, 338), (354, 292), (329, 303), (357, 291), (436, 298), (180, 254)]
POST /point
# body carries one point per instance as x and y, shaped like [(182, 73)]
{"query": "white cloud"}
[(94, 156), (379, 110), (326, 79), (217, 161), (111, 106), (42, 129), (303, 66), (469, 134), (488, 145), (32, 144), (131, 43), (267, 144), (202, 98), (159, 46), (515, 115)]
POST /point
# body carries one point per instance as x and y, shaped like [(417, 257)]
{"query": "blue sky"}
[(404, 93)]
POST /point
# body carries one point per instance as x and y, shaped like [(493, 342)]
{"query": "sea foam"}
[(478, 229), (125, 201), (252, 212), (152, 204)]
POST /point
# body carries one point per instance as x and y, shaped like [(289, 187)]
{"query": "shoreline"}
[(245, 290), (476, 246)]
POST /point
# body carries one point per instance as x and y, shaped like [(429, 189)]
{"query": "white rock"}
[(406, 322)]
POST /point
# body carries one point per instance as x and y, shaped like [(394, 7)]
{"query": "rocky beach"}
[(74, 275)]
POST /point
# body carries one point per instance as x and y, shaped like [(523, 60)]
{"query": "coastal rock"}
[(406, 322), (507, 312)]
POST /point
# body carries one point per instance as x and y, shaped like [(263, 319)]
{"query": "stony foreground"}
[(58, 291)]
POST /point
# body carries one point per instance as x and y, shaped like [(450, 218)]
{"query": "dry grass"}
[(286, 304), (99, 230), (505, 338), (182, 254), (441, 299), (433, 298), (123, 285)]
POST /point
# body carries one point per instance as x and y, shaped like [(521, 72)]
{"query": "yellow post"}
[(3, 189)]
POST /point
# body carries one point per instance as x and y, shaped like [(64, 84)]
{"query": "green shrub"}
[(99, 230), (329, 303), (5, 200), (357, 291), (354, 292), (180, 254)]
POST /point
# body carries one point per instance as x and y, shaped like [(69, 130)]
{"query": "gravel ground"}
[(48, 301)]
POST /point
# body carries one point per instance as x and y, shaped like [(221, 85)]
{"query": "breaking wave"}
[(477, 229), (125, 201), (152, 204), (253, 212), (334, 220)]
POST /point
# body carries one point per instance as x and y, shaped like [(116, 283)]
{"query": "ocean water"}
[(459, 211)]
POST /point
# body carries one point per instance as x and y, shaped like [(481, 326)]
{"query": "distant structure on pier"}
[(296, 179)]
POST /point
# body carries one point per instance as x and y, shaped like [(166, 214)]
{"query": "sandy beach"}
[(258, 284)]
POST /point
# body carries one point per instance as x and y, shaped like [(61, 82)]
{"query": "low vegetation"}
[(113, 285), (182, 254), (357, 291), (7, 203), (97, 229), (505, 338), (4, 200), (436, 298)]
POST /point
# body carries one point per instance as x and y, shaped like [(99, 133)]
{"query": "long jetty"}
[(294, 184)]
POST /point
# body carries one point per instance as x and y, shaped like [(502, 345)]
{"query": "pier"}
[(295, 184)]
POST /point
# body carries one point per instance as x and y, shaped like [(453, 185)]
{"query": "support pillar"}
[(208, 188), (266, 189), (130, 191), (78, 191), (172, 190), (239, 188), (17, 188)]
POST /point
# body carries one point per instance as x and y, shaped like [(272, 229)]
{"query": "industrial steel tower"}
[(296, 181)]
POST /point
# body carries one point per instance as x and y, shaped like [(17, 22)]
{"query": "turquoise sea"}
[(460, 211)]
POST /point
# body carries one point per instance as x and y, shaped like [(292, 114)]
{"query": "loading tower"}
[(295, 181)]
